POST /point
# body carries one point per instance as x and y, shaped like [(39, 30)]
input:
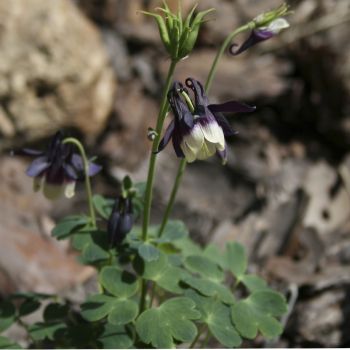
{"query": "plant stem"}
[(143, 296), (221, 51), (81, 149), (183, 163), (197, 337), (151, 170)]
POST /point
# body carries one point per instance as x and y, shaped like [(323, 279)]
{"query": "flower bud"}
[(178, 36)]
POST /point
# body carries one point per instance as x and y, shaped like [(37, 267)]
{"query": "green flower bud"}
[(264, 19), (178, 36)]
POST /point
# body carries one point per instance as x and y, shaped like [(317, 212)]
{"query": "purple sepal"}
[(231, 106), (77, 162), (38, 167), (225, 125), (167, 136), (256, 36)]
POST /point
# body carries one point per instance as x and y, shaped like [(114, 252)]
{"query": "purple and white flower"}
[(260, 34), (120, 221), (56, 170), (199, 134)]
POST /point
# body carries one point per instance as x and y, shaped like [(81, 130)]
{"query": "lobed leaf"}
[(236, 259), (205, 267), (169, 322), (123, 312), (102, 205), (6, 343), (114, 337), (119, 283), (69, 225), (7, 314)]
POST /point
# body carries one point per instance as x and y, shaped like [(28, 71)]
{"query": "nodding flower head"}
[(266, 26), (199, 128), (56, 170), (120, 221)]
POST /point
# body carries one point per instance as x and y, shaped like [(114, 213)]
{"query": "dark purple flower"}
[(260, 34), (57, 169), (120, 221), (200, 134)]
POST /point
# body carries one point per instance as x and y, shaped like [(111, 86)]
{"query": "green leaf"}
[(151, 270), (170, 279), (204, 266), (103, 205), (6, 343), (170, 321), (253, 282), (243, 317), (148, 252), (41, 330), (55, 312), (81, 239), (214, 253), (269, 302), (187, 246), (123, 312), (122, 284), (31, 295), (236, 259), (28, 306), (217, 316), (256, 314), (114, 337), (93, 253), (7, 315), (210, 288), (97, 307), (174, 230), (69, 225)]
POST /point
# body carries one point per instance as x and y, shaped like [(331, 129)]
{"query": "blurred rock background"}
[(96, 68)]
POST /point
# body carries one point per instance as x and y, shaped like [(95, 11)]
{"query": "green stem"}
[(151, 170), (197, 337), (206, 339), (222, 50), (81, 149), (143, 296), (183, 163)]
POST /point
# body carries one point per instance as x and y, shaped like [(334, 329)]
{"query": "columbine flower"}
[(201, 133), (120, 221), (266, 25), (57, 169)]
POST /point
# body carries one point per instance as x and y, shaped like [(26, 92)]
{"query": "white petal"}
[(214, 134), (277, 25), (188, 152), (52, 191), (69, 190), (194, 139), (208, 149)]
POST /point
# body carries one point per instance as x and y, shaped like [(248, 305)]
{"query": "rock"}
[(29, 260), (242, 78), (54, 70)]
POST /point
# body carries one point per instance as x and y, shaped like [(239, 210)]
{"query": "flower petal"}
[(176, 144), (277, 25), (212, 131), (224, 124), (94, 168), (222, 155), (69, 189), (256, 36), (195, 139), (231, 106), (38, 166), (208, 149), (167, 136), (52, 191), (188, 152)]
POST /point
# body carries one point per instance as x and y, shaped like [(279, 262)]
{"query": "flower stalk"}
[(82, 152), (183, 162)]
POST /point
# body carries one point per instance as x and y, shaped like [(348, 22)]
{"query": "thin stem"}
[(180, 172), (151, 170), (222, 50), (81, 149), (183, 163), (206, 339), (143, 296), (197, 337)]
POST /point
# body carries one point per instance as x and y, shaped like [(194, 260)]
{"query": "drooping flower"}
[(56, 170), (201, 133), (120, 221), (260, 34)]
